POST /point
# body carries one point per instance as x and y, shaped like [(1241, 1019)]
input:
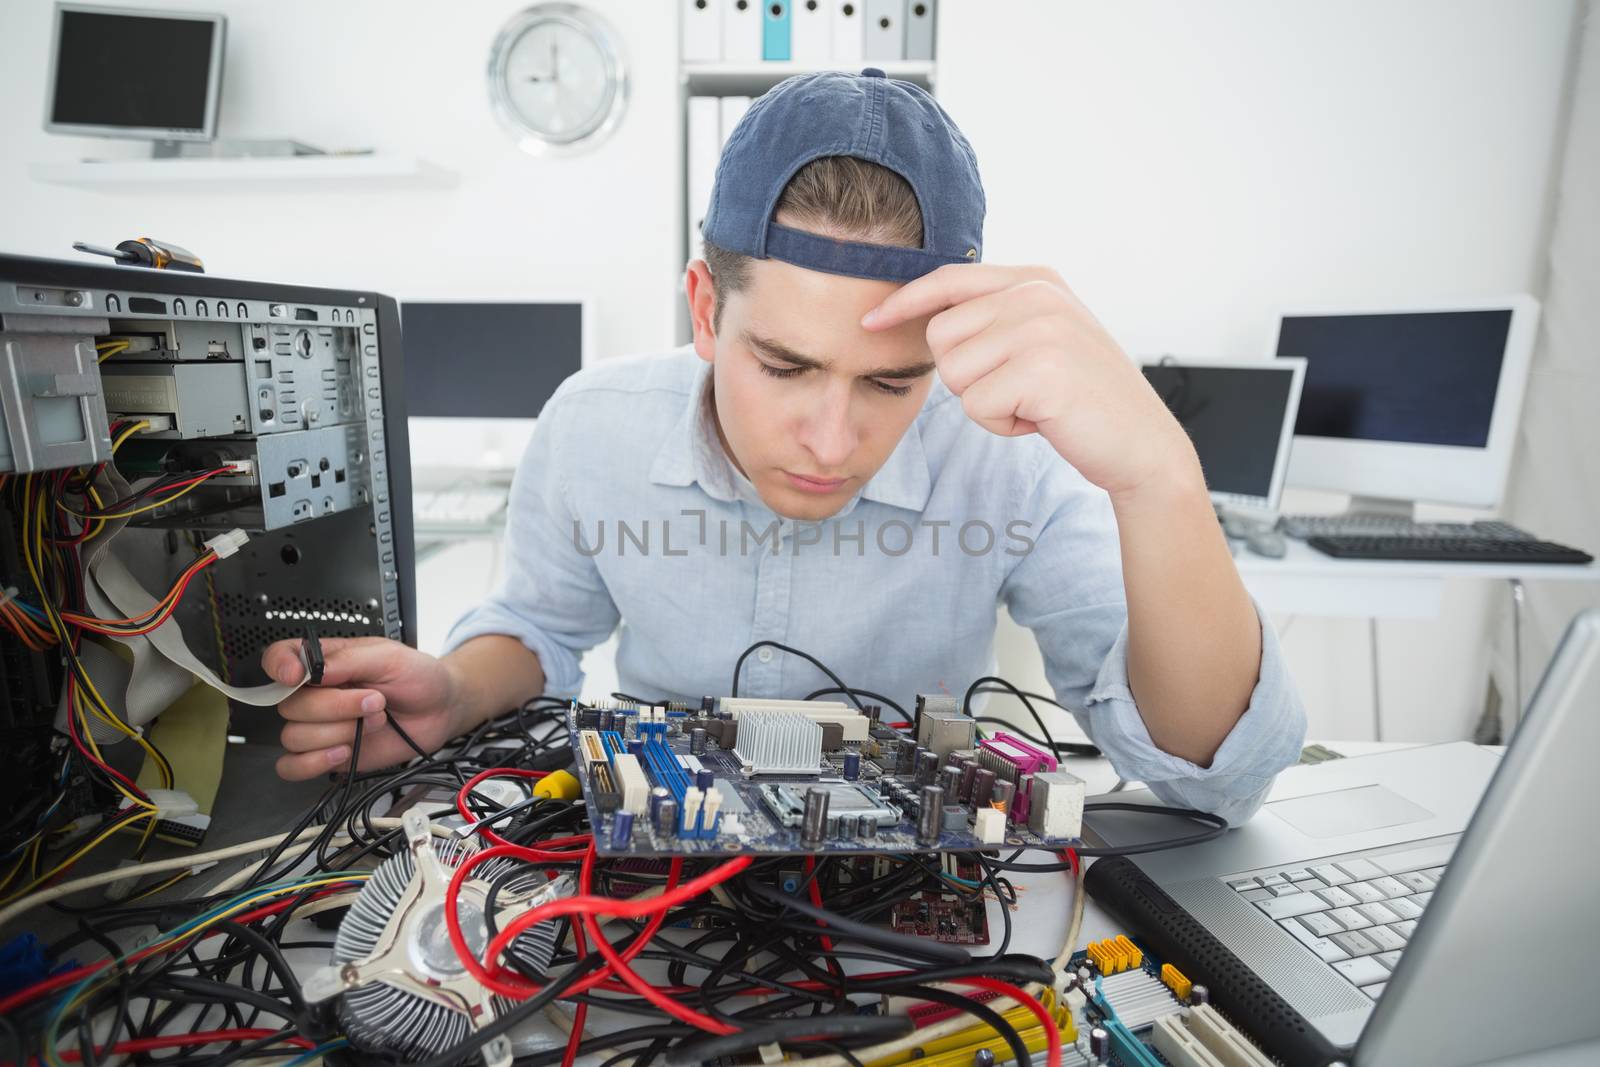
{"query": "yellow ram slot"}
[(958, 1049)]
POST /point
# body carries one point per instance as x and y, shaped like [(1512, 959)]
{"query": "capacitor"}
[(930, 815), (969, 771), (905, 761), (1002, 795), (667, 818), (657, 795), (703, 778), (867, 829), (814, 821), (706, 704), (621, 829), (1099, 1044), (927, 766), (982, 787), (636, 746), (950, 781), (852, 766), (697, 741), (983, 1058), (1199, 995), (874, 713)]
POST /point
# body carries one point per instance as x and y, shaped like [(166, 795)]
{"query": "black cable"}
[(814, 661), (1216, 826), (874, 1027), (839, 926)]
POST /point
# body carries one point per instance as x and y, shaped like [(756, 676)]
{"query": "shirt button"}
[(764, 655)]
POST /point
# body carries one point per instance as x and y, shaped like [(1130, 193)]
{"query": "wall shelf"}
[(753, 79), (281, 174)]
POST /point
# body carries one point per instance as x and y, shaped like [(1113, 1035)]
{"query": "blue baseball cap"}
[(869, 116)]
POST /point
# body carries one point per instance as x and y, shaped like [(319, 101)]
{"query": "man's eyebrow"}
[(779, 350)]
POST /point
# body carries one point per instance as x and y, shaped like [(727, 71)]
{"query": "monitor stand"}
[(1381, 507)]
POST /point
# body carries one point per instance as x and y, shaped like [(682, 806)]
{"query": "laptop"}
[(1240, 414), (1434, 905)]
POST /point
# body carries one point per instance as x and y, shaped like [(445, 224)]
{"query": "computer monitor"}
[(486, 359), (1240, 416), (1415, 403), (132, 72)]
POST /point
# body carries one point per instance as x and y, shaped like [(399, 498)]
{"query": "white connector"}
[(172, 803), (246, 467), (226, 544)]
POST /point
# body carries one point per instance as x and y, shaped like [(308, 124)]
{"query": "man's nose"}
[(829, 433)]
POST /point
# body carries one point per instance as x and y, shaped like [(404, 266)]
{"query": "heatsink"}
[(779, 742)]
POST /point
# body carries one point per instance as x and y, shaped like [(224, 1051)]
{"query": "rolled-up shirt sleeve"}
[(1068, 591), (552, 597)]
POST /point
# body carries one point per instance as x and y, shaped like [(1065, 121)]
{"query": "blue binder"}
[(775, 30)]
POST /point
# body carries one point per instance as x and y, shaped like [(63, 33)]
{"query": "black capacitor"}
[(1100, 1044), (706, 704), (983, 1058), (1004, 793), (657, 795), (697, 741), (927, 766), (852, 766), (969, 770), (868, 828), (873, 713), (667, 818), (704, 778), (814, 821), (1199, 995), (950, 781), (906, 757), (930, 816), (982, 787)]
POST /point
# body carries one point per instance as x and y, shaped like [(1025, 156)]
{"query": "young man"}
[(874, 440)]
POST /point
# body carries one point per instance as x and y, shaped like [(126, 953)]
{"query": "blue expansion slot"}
[(667, 769), (613, 742)]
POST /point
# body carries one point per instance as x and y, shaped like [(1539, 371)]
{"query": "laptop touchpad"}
[(1348, 811)]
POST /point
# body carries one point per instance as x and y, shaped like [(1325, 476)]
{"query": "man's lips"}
[(812, 484)]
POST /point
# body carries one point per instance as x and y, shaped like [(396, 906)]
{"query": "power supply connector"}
[(226, 544)]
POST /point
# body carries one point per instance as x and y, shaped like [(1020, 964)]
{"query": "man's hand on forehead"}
[(1025, 356)]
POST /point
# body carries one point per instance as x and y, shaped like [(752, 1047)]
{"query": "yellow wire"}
[(142, 424), (107, 349), (76, 856), (163, 502)]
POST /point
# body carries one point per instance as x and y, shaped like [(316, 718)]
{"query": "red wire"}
[(204, 1037), (499, 772), (816, 898), (1052, 1036)]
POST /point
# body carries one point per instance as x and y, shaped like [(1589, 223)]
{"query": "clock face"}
[(556, 78)]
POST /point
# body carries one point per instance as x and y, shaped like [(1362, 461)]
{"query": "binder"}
[(847, 33), (733, 109), (775, 23), (702, 31), (810, 35), (919, 29), (741, 31), (703, 147), (884, 36)]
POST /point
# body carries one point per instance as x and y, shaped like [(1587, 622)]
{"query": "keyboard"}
[(1308, 526), (1356, 914), (463, 506), (1452, 549)]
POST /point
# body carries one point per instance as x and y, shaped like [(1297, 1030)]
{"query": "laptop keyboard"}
[(1356, 914)]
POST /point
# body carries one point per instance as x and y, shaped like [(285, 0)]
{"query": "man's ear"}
[(701, 292)]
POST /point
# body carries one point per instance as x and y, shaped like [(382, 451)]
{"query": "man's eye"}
[(779, 372), (892, 390)]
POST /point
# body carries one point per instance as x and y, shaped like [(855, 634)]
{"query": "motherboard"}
[(748, 775)]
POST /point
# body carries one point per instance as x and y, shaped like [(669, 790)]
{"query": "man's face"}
[(808, 404)]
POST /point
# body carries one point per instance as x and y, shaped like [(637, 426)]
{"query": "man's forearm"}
[(1194, 642), (489, 675)]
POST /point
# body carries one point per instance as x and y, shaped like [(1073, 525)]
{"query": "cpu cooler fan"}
[(402, 989)]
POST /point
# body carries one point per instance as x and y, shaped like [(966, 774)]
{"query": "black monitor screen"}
[(132, 71), (1426, 378), (488, 360), (1234, 415)]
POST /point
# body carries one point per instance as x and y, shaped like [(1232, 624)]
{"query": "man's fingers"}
[(331, 705), (946, 287), (997, 401), (310, 736), (345, 659), (299, 766)]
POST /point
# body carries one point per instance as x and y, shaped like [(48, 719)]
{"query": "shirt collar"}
[(692, 452)]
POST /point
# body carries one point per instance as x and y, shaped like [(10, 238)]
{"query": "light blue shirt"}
[(625, 509)]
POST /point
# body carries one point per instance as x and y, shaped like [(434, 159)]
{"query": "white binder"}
[(919, 29), (741, 31), (847, 32), (733, 109), (810, 32), (704, 148), (702, 30), (884, 35)]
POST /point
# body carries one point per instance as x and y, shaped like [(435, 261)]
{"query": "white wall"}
[(1190, 167), (1187, 167)]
